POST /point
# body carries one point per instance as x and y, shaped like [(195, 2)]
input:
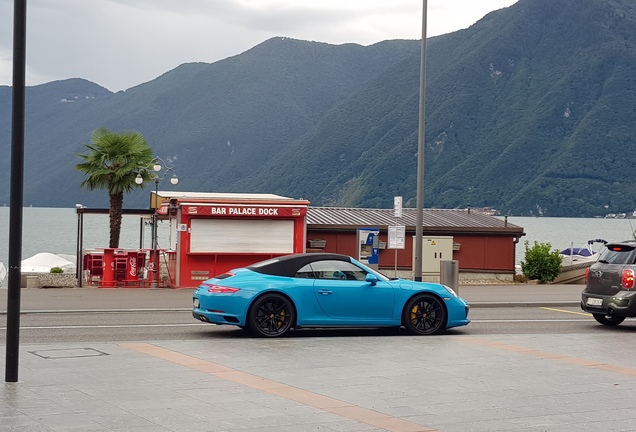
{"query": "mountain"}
[(530, 109)]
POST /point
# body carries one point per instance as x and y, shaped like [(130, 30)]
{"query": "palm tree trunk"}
[(114, 214)]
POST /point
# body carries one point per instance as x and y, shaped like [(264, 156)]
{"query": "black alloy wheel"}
[(272, 315), (608, 320), (424, 314)]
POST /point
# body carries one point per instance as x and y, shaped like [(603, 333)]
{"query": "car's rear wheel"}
[(608, 320), (271, 315), (424, 314)]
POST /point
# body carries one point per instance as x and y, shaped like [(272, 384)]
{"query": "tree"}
[(112, 162), (540, 263)]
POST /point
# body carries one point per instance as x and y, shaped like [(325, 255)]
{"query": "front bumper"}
[(458, 313)]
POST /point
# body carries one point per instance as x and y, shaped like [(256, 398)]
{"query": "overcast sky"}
[(122, 43)]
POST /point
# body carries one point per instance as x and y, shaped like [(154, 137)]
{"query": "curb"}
[(78, 311), (473, 305), (523, 304)]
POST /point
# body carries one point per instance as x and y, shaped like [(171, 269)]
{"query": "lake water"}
[(562, 233), (55, 230)]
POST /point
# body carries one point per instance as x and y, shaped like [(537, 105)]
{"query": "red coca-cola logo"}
[(133, 266)]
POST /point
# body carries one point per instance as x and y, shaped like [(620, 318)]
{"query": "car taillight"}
[(219, 289), (587, 274), (628, 279)]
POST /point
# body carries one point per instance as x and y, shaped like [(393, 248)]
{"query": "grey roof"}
[(434, 220)]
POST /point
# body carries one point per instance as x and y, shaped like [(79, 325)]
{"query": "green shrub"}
[(56, 270), (540, 263)]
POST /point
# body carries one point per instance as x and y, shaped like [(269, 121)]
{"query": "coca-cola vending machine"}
[(135, 262)]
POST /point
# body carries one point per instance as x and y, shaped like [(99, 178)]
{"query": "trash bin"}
[(449, 274)]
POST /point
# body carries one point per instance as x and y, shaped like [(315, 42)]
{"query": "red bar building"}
[(212, 233)]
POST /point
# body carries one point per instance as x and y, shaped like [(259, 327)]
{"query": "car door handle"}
[(325, 292)]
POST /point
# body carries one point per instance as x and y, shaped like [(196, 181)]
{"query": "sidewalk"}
[(518, 295), (88, 299)]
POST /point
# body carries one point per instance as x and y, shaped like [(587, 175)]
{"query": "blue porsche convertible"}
[(272, 297)]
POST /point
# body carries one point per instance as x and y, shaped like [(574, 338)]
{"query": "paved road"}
[(154, 325)]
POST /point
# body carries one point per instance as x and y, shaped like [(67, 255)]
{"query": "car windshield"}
[(379, 275), (620, 256)]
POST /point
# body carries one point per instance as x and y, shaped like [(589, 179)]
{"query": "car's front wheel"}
[(424, 314), (608, 320), (272, 315)]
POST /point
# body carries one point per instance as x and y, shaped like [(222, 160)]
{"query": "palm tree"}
[(112, 162)]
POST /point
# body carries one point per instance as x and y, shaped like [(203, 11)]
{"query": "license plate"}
[(591, 301)]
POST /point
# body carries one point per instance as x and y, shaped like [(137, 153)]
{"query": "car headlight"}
[(450, 290)]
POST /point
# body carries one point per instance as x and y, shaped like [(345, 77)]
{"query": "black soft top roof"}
[(288, 265)]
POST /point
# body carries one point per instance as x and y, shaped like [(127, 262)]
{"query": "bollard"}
[(449, 274)]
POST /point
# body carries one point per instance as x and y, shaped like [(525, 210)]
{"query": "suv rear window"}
[(618, 254)]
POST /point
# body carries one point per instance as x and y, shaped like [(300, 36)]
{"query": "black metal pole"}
[(17, 191), (79, 260)]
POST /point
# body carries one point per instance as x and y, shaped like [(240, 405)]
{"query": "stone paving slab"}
[(451, 383)]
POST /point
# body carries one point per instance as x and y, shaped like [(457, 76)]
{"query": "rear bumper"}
[(622, 304), (217, 318)]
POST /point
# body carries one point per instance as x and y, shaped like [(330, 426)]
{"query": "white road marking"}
[(527, 320)]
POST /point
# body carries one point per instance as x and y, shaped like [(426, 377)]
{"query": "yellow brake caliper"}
[(414, 310)]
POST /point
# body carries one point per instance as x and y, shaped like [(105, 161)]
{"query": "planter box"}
[(57, 280)]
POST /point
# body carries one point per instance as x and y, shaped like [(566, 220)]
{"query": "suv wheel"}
[(608, 320)]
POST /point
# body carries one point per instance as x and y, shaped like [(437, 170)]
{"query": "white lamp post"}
[(155, 216)]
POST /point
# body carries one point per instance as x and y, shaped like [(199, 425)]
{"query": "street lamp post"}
[(158, 166), (419, 215)]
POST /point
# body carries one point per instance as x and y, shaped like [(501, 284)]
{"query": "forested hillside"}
[(530, 108)]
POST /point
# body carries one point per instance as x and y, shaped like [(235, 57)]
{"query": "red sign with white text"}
[(245, 211)]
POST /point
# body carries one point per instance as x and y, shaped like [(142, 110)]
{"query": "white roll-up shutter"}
[(242, 235)]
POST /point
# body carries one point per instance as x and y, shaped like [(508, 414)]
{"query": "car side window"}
[(337, 270), (305, 272)]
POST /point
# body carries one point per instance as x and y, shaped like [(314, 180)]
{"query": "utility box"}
[(434, 250)]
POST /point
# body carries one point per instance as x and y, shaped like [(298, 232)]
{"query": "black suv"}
[(610, 291)]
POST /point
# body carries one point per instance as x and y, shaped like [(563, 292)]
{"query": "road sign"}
[(397, 206), (397, 235)]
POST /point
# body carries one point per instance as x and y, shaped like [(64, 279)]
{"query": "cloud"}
[(122, 43)]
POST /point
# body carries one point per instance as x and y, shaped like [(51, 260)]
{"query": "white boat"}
[(43, 262), (574, 262)]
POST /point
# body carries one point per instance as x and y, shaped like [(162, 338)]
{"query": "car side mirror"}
[(371, 278)]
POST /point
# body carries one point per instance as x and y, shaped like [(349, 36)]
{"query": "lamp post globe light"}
[(159, 164)]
